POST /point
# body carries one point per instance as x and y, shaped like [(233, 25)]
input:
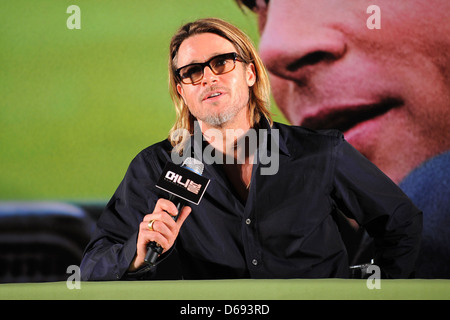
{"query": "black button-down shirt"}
[(285, 229)]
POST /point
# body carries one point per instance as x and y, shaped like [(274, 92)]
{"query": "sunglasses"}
[(220, 64)]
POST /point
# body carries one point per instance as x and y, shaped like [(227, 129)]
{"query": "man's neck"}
[(225, 137), (230, 140)]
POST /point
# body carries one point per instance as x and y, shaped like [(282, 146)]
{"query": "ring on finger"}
[(150, 225)]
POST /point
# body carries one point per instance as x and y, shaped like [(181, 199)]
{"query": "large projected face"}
[(387, 89)]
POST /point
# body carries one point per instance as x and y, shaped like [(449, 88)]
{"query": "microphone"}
[(184, 184)]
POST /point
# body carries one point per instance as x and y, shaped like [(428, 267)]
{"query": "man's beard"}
[(219, 119)]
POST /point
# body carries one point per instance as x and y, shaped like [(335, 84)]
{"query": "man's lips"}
[(211, 94), (346, 117)]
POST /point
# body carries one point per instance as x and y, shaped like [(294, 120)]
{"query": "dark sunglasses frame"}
[(231, 55)]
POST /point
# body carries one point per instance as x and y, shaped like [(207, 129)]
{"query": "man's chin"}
[(217, 120)]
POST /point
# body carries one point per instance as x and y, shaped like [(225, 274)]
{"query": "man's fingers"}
[(164, 229), (183, 215), (162, 235), (167, 206)]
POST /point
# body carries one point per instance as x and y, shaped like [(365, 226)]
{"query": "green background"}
[(78, 105), (229, 290)]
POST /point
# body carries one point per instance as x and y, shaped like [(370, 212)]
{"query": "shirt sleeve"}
[(365, 193), (113, 243)]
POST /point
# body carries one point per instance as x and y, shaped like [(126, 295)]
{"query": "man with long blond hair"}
[(259, 92), (252, 222)]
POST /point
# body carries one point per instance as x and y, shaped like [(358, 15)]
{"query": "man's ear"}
[(251, 74), (181, 92)]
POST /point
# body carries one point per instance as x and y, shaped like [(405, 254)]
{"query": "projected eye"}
[(256, 5)]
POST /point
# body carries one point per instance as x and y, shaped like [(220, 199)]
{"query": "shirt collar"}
[(280, 142), (198, 143)]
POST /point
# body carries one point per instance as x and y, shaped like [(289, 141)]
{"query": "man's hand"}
[(165, 229)]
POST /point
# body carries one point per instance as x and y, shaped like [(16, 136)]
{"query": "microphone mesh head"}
[(193, 164)]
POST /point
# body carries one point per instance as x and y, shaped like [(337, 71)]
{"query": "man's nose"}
[(208, 76), (294, 42)]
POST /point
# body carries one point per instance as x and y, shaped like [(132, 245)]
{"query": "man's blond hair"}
[(259, 98)]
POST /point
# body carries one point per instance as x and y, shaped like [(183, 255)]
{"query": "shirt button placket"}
[(250, 237), (254, 261)]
